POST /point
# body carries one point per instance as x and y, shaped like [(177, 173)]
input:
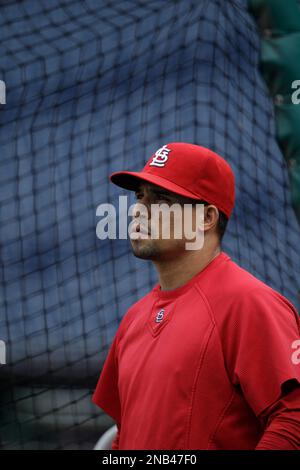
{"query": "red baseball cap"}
[(186, 169)]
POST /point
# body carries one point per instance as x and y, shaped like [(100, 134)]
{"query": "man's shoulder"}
[(229, 281), (237, 290), (248, 286)]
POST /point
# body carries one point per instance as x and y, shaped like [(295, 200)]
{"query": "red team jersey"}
[(195, 367)]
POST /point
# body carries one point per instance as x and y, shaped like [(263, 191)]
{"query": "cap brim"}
[(131, 180)]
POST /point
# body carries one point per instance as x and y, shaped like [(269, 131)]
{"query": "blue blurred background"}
[(94, 87)]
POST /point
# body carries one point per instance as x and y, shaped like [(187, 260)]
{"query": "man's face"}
[(159, 248)]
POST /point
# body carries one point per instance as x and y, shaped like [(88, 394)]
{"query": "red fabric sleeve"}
[(283, 424), (106, 395), (259, 338)]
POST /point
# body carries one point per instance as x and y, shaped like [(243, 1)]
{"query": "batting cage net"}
[(92, 87)]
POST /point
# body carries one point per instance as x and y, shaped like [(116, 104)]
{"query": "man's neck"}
[(177, 272)]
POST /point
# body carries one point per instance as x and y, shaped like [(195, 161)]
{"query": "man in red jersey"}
[(210, 357)]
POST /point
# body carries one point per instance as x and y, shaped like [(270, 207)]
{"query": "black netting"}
[(93, 87)]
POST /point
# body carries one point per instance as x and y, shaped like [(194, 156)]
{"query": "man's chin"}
[(143, 250)]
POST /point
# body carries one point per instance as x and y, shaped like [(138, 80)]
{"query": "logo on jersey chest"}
[(161, 156), (159, 316)]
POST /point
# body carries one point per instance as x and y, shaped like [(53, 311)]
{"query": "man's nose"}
[(140, 207)]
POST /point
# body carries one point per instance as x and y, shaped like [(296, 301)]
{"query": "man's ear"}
[(211, 217)]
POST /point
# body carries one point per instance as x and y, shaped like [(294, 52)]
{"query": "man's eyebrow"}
[(161, 191), (156, 191)]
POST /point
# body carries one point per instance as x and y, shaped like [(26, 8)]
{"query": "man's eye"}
[(138, 196), (162, 200)]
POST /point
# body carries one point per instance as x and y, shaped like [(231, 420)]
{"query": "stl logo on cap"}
[(161, 156)]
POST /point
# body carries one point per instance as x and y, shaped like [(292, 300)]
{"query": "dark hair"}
[(222, 224)]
